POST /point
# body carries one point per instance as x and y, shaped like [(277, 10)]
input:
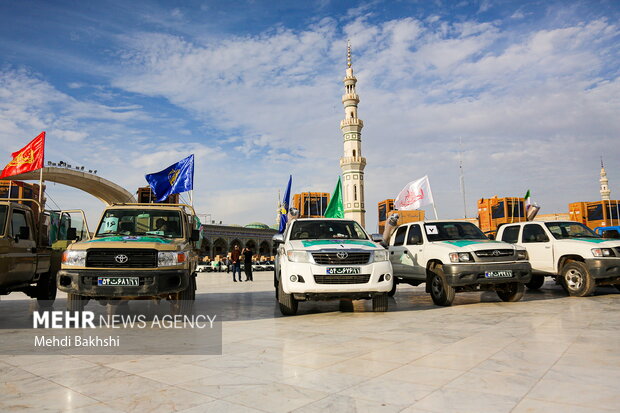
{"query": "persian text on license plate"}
[(118, 281), (498, 274), (343, 270)]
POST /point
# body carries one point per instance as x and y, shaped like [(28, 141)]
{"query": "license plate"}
[(343, 270), (118, 281), (498, 274)]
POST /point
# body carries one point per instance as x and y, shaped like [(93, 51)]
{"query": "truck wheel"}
[(576, 279), (380, 303), (393, 290), (46, 289), (536, 282), (511, 292), (288, 303), (441, 293), (346, 306), (75, 302), (184, 303)]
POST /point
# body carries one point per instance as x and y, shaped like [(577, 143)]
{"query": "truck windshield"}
[(566, 230), (327, 230), (3, 209), (132, 222), (452, 231)]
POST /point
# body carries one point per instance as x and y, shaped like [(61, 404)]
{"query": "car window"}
[(511, 234), (133, 222), (3, 209), (566, 230), (18, 220), (325, 229), (414, 237), (452, 231), (534, 233), (399, 238)]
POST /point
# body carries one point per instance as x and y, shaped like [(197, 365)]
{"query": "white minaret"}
[(605, 192), (352, 162)]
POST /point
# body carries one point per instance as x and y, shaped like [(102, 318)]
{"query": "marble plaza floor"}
[(548, 353)]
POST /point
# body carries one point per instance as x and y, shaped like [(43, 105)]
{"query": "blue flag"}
[(284, 206), (174, 179)]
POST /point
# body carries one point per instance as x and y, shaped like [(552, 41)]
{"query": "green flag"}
[(335, 209)]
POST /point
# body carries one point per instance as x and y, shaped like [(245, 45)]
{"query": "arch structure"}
[(106, 191), (221, 239)]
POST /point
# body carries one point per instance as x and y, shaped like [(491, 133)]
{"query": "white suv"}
[(571, 253), (322, 259)]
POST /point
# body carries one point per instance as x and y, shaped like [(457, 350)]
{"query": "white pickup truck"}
[(323, 259), (571, 253), (455, 256)]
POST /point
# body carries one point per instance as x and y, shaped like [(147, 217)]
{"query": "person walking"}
[(247, 259), (235, 257)]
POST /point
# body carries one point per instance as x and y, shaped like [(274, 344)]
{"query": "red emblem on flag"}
[(28, 158)]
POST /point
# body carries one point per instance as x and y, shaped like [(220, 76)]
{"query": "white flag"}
[(414, 195)]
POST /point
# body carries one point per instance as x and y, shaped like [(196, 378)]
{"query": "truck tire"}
[(184, 303), (46, 289), (536, 282), (511, 293), (288, 303), (346, 306), (576, 279), (75, 302), (393, 290), (380, 303), (441, 293)]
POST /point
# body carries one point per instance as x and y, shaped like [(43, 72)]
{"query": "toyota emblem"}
[(121, 258), (342, 254), (496, 253)]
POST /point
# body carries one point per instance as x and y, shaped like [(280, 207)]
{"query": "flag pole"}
[(435, 210), (40, 187), (8, 195)]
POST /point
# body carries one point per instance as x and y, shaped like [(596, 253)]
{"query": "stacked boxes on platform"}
[(595, 214), (311, 204), (496, 211)]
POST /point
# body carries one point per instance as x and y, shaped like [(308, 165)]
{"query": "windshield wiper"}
[(105, 234)]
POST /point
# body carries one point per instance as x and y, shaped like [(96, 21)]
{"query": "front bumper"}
[(470, 274), (317, 284), (152, 283), (602, 268)]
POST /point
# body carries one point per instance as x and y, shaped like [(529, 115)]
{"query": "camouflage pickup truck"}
[(138, 251), (31, 244)]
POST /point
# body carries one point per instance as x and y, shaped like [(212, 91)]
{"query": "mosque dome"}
[(257, 225)]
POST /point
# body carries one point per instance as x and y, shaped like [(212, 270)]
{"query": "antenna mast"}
[(462, 177)]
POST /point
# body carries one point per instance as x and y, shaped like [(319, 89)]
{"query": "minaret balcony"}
[(350, 97), (358, 161), (351, 122)]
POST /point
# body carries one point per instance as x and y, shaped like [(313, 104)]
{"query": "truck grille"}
[(493, 253), (330, 258), (342, 279), (136, 258)]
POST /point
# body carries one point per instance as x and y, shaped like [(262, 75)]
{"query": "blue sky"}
[(253, 89)]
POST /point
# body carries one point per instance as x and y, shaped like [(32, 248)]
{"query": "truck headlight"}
[(522, 255), (603, 252), (74, 258), (381, 255), (170, 258), (461, 257), (297, 256)]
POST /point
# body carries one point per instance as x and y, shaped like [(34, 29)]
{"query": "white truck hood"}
[(588, 243)]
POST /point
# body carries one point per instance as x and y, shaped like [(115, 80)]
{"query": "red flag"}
[(28, 158)]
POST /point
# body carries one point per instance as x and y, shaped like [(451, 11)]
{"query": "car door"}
[(413, 256), (539, 247), (22, 246), (397, 250)]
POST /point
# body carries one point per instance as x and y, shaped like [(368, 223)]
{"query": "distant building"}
[(146, 196), (605, 191), (221, 239)]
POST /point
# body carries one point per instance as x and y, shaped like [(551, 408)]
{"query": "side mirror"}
[(491, 236), (278, 239), (71, 234), (24, 232), (195, 235), (376, 237)]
